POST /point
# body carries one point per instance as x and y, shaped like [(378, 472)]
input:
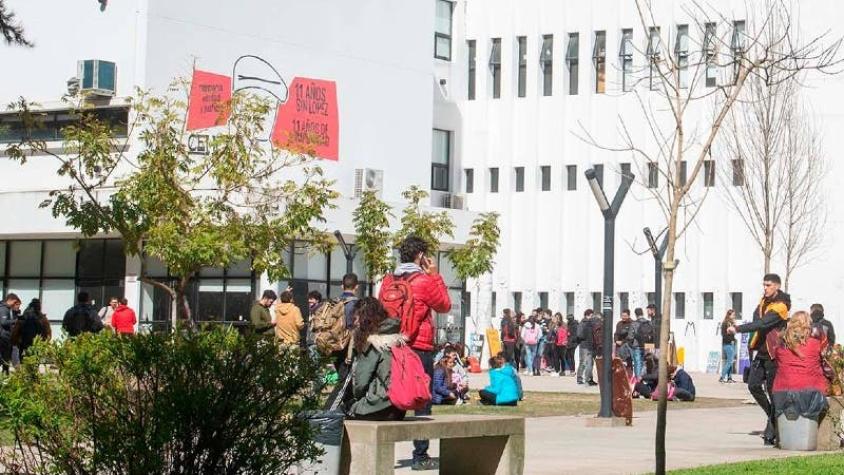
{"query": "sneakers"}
[(592, 383), (555, 375), (722, 380), (425, 464)]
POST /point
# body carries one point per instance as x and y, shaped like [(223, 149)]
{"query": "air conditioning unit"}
[(452, 201), (368, 179), (97, 77)]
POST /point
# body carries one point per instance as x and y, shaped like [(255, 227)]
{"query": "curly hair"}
[(799, 330), (411, 247), (369, 314)]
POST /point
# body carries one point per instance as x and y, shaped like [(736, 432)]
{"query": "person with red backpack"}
[(561, 340), (410, 294)]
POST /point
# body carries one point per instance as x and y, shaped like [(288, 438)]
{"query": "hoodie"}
[(372, 368), (123, 320), (288, 323)]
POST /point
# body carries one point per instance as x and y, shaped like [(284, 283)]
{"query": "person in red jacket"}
[(429, 293), (123, 319)]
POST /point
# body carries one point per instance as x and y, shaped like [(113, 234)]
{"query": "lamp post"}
[(658, 253), (610, 211), (348, 251)]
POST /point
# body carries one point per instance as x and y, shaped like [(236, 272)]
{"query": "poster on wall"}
[(744, 353), (304, 117)]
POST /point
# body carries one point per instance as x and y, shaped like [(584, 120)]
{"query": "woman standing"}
[(530, 336), (509, 336), (728, 346)]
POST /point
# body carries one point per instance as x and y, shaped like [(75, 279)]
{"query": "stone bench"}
[(828, 438), (468, 444)]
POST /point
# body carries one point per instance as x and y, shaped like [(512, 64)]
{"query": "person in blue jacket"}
[(685, 387), (443, 391), (503, 389)]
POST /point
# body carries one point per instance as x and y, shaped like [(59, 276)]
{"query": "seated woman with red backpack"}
[(374, 337)]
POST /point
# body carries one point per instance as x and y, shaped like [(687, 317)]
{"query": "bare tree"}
[(10, 29), (693, 86)]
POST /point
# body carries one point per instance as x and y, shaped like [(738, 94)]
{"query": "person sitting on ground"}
[(503, 389), (443, 389), (288, 320), (501, 354), (648, 381), (373, 336), (459, 376), (123, 319), (684, 387), (798, 352)]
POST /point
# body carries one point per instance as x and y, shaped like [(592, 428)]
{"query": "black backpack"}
[(30, 328), (645, 333)]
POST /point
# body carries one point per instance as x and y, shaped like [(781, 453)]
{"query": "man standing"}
[(624, 336), (288, 321), (82, 317), (770, 314), (587, 349), (656, 321), (342, 358), (571, 344), (429, 294), (820, 322), (10, 309), (259, 316), (314, 303), (643, 336)]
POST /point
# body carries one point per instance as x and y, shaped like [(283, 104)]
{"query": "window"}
[(49, 126), (520, 178), (653, 53), (571, 177), (709, 173), (736, 299), (599, 173), (543, 299), (473, 60), (625, 54), (470, 180), (623, 301), (653, 175), (708, 306), (569, 303), (522, 79), (681, 49), (495, 67), (738, 172), (546, 62), (545, 177), (493, 180), (596, 301), (493, 305), (517, 301), (682, 173), (599, 56), (625, 170), (442, 33), (572, 55), (651, 298), (710, 50), (737, 46), (440, 160), (679, 305)]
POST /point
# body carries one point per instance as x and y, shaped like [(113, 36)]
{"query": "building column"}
[(131, 284)]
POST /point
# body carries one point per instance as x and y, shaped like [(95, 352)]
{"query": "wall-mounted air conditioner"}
[(450, 201), (368, 179), (97, 77)]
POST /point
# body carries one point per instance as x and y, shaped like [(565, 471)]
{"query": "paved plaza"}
[(561, 445)]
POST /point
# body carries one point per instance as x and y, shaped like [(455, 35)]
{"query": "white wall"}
[(553, 241)]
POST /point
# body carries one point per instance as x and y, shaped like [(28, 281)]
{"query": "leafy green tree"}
[(372, 225), (428, 226), (242, 200)]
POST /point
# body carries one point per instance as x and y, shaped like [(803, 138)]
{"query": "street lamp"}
[(658, 253), (348, 251), (610, 211)]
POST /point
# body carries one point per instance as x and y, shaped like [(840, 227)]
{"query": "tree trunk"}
[(665, 328), (181, 305)]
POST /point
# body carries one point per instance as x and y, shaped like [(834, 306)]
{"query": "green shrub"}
[(195, 402)]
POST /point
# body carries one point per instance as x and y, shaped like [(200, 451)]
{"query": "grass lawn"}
[(544, 404), (821, 464)]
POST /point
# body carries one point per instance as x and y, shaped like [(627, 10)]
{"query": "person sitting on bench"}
[(502, 389)]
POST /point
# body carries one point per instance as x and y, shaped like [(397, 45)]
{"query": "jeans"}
[(530, 353), (570, 359), (638, 361), (420, 447), (584, 370), (540, 353), (729, 356)]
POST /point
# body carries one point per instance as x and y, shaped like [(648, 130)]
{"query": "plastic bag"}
[(809, 403)]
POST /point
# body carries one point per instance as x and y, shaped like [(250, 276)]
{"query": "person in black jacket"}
[(771, 314), (820, 322), (571, 345), (82, 317), (587, 349), (10, 309)]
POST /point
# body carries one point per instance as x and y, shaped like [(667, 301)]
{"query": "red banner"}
[(308, 122), (208, 102)]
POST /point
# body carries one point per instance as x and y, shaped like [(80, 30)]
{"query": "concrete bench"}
[(828, 429), (468, 444)]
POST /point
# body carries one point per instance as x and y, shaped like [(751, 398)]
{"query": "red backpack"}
[(410, 386), (397, 299)]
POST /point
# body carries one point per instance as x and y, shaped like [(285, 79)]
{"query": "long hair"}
[(798, 331), (369, 313), (729, 318)]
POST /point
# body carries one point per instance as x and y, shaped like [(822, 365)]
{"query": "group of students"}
[(19, 330)]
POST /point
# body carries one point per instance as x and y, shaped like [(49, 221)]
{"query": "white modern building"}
[(480, 101)]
